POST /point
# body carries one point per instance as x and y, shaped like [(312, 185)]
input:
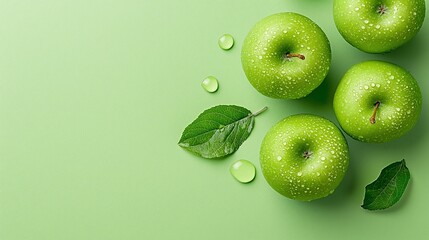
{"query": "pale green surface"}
[(243, 170), (94, 96)]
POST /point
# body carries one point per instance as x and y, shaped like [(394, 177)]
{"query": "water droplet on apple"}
[(323, 158), (279, 158), (210, 84), (243, 170), (366, 87), (377, 26), (226, 42), (299, 174)]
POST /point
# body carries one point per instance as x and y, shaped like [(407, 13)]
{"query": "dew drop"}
[(243, 170), (210, 84), (226, 42)]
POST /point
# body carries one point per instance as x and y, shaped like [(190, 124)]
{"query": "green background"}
[(94, 96)]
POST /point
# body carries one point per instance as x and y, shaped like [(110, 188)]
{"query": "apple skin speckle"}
[(314, 157), (264, 52), (372, 32), (368, 82)]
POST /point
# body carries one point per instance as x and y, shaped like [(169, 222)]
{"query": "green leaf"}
[(218, 131), (388, 188)]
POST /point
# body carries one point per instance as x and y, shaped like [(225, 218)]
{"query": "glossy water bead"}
[(226, 41), (210, 84), (243, 170)]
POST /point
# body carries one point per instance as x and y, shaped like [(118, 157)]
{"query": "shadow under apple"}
[(408, 55)]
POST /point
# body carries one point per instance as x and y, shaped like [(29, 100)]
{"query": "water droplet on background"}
[(226, 42), (243, 170), (210, 84)]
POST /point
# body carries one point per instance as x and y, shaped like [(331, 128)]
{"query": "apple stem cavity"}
[(381, 9), (260, 111), (288, 56), (374, 113), (307, 154)]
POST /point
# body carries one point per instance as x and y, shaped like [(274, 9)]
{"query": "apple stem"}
[(374, 113), (260, 111), (291, 55)]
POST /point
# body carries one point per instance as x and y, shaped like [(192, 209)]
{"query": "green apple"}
[(304, 157), (377, 101), (286, 55), (377, 26)]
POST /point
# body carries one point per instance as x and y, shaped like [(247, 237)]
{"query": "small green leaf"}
[(218, 131), (388, 188)]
